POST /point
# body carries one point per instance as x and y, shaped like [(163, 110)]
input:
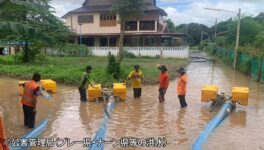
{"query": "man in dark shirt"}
[(85, 82)]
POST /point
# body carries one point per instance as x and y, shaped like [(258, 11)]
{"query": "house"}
[(93, 24)]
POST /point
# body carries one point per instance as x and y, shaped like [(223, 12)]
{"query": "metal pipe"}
[(225, 110)]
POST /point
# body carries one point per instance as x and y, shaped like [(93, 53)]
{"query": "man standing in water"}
[(164, 82), (136, 77), (29, 100), (85, 82), (181, 87)]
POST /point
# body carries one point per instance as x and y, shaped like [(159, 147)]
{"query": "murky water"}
[(146, 117)]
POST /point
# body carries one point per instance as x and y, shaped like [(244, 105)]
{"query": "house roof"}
[(107, 8), (109, 2)]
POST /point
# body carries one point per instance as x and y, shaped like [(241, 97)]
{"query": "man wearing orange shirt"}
[(164, 83), (181, 87), (29, 100)]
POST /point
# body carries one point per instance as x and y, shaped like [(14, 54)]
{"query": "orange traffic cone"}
[(3, 146)]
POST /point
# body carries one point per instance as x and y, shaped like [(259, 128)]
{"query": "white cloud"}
[(63, 6), (193, 9), (196, 11)]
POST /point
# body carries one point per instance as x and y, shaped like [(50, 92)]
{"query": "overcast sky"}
[(186, 11)]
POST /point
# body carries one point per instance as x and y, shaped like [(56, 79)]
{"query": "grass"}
[(68, 70)]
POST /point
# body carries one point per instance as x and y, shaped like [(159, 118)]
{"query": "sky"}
[(186, 11)]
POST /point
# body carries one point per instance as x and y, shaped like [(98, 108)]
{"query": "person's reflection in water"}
[(179, 121), (180, 127), (85, 118), (238, 118), (161, 121), (205, 116), (89, 114), (135, 120)]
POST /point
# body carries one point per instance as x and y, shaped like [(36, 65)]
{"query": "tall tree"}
[(171, 26), (126, 10), (248, 31), (31, 22), (194, 31)]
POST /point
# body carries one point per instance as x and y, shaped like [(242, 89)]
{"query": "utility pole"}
[(80, 39), (237, 37), (201, 37), (238, 31), (215, 27)]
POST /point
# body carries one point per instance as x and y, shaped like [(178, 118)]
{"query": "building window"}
[(131, 26), (107, 16), (112, 41), (85, 19), (147, 25), (107, 19), (103, 41)]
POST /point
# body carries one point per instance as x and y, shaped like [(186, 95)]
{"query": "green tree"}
[(30, 22), (248, 31), (193, 32), (171, 26), (260, 44), (126, 10), (260, 18)]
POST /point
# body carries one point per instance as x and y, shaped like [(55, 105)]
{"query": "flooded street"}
[(70, 118)]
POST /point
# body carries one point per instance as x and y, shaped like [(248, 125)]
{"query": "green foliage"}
[(248, 32), (41, 58), (31, 22), (260, 41), (171, 26), (113, 67), (68, 70), (18, 57), (75, 50), (203, 45), (193, 32), (260, 18), (244, 67), (126, 9), (6, 60), (128, 54), (221, 41)]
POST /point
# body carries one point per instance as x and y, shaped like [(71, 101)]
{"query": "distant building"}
[(99, 28)]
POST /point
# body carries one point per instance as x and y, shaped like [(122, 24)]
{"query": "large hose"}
[(33, 134), (225, 110), (100, 135)]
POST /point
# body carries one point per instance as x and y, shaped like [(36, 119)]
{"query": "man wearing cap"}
[(136, 76), (181, 87), (164, 82)]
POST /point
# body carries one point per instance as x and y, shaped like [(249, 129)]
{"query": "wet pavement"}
[(144, 118)]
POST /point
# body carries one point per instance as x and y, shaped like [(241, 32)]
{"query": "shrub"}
[(128, 54), (113, 67)]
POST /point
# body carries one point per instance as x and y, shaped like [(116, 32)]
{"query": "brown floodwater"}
[(69, 118)]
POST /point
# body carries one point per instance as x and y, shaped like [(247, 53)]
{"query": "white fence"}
[(174, 52)]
